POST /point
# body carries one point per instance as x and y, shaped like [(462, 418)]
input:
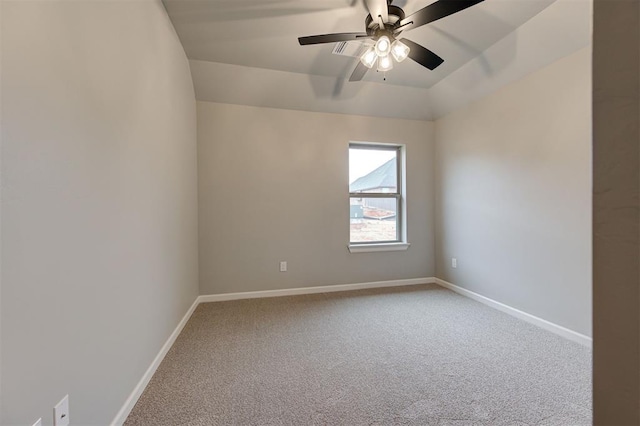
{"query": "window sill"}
[(365, 248)]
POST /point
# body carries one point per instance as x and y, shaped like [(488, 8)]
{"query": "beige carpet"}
[(419, 355)]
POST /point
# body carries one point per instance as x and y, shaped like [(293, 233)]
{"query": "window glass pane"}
[(373, 220), (373, 170)]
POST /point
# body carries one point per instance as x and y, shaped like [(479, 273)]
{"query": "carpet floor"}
[(419, 355)]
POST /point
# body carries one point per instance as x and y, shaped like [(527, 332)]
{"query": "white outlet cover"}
[(454, 262), (283, 266), (61, 412), (38, 422)]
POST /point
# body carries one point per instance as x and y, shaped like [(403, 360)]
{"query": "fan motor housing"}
[(395, 14)]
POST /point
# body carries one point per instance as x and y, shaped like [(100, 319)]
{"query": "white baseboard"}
[(133, 398), (142, 384), (312, 290), (547, 325)]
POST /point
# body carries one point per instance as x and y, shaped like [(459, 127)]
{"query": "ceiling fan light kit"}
[(383, 24), (369, 57), (399, 50), (382, 52), (385, 64), (383, 46)]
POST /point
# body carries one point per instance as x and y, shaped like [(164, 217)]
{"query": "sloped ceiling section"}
[(246, 52)]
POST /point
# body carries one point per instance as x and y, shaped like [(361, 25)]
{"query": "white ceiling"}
[(246, 52)]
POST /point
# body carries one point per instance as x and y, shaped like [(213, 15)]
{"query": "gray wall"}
[(273, 185), (616, 213), (1, 134), (99, 202), (514, 194)]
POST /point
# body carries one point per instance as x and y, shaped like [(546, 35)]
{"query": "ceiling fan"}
[(384, 23)]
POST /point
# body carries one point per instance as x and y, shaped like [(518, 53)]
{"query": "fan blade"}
[(359, 72), (422, 55), (378, 8), (330, 38), (433, 12)]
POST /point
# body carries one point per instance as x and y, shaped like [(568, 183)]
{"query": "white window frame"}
[(401, 243)]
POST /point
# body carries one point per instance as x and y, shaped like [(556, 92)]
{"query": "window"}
[(376, 197)]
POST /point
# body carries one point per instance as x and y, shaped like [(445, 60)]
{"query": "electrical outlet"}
[(283, 266), (38, 422), (454, 262), (61, 412)]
